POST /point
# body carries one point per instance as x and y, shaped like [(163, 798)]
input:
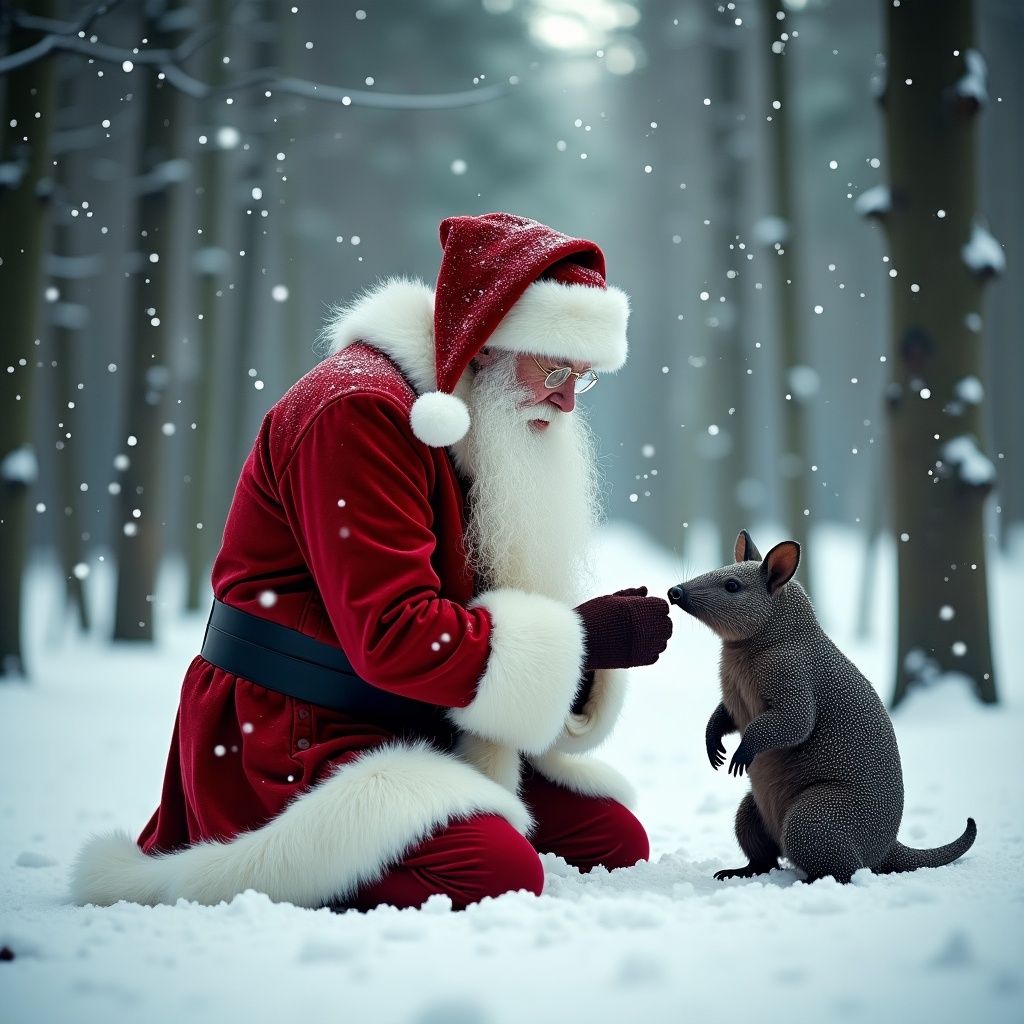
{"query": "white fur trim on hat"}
[(333, 839), (439, 419), (575, 322), (533, 671)]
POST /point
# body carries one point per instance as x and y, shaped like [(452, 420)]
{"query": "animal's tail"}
[(906, 858)]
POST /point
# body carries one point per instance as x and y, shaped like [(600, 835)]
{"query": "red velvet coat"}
[(335, 479), (346, 527)]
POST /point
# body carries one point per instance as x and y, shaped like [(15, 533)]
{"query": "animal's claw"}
[(740, 760), (725, 873), (749, 871)]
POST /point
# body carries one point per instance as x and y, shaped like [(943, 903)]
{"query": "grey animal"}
[(825, 774)]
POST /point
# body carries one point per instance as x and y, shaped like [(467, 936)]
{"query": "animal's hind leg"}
[(817, 839), (762, 851)]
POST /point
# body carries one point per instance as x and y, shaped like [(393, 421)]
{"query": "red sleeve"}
[(358, 493)]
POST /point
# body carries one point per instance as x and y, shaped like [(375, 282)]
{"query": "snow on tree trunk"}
[(140, 529), (940, 261), (24, 191)]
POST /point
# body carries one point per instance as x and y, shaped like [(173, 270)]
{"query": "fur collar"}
[(396, 317)]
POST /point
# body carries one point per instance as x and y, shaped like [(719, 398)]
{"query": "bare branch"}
[(169, 62), (390, 100), (93, 11)]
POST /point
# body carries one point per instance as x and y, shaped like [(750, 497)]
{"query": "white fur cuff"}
[(525, 694)]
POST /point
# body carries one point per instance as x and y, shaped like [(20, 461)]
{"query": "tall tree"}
[(245, 205), (779, 230), (68, 316), (24, 192), (140, 539), (209, 260), (727, 444), (941, 257)]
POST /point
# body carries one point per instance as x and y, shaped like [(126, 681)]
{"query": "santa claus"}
[(399, 682)]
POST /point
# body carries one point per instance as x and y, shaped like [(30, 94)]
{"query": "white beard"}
[(534, 499)]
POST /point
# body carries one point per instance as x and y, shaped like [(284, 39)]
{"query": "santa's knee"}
[(488, 857), (623, 840)]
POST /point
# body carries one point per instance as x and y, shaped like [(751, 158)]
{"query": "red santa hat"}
[(510, 283)]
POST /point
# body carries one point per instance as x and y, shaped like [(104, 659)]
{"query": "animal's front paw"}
[(716, 754), (741, 759)]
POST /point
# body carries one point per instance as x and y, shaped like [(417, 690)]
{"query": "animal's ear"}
[(780, 564), (745, 549)]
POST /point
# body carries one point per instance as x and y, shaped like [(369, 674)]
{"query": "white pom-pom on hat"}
[(439, 419)]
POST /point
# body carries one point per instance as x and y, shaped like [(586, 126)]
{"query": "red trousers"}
[(485, 856)]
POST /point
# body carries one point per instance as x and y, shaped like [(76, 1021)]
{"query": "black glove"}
[(624, 629)]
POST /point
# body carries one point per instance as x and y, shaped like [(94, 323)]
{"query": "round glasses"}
[(583, 380)]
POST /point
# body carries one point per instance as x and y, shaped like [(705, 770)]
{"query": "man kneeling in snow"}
[(398, 678)]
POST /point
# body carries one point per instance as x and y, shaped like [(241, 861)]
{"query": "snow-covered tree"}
[(941, 258)]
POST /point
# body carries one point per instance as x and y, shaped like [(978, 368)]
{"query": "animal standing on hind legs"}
[(825, 774)]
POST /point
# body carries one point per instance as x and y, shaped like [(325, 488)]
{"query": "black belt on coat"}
[(298, 666)]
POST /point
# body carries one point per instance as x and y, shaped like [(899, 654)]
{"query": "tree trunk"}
[(253, 179), (24, 191), (939, 477), (798, 379), (727, 446), (140, 539), (209, 262), (295, 337), (68, 317)]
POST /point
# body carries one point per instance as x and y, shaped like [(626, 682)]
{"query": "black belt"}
[(294, 664)]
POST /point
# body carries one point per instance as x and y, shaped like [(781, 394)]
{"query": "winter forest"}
[(807, 204), (815, 209)]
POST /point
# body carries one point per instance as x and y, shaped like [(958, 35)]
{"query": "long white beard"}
[(534, 500)]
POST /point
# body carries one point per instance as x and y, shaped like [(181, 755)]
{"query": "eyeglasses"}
[(584, 380)]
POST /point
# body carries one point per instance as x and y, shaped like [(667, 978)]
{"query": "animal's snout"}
[(676, 595)]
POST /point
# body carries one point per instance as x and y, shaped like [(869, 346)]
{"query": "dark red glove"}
[(624, 629)]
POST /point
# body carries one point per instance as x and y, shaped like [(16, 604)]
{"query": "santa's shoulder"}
[(359, 375)]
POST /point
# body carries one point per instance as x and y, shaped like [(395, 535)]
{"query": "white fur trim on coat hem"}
[(526, 692), (333, 839), (585, 775), (594, 725)]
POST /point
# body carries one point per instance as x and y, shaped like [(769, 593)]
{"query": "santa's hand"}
[(624, 629)]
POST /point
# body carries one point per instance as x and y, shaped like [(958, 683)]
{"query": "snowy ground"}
[(82, 749)]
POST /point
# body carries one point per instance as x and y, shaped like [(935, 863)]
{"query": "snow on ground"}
[(82, 749)]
